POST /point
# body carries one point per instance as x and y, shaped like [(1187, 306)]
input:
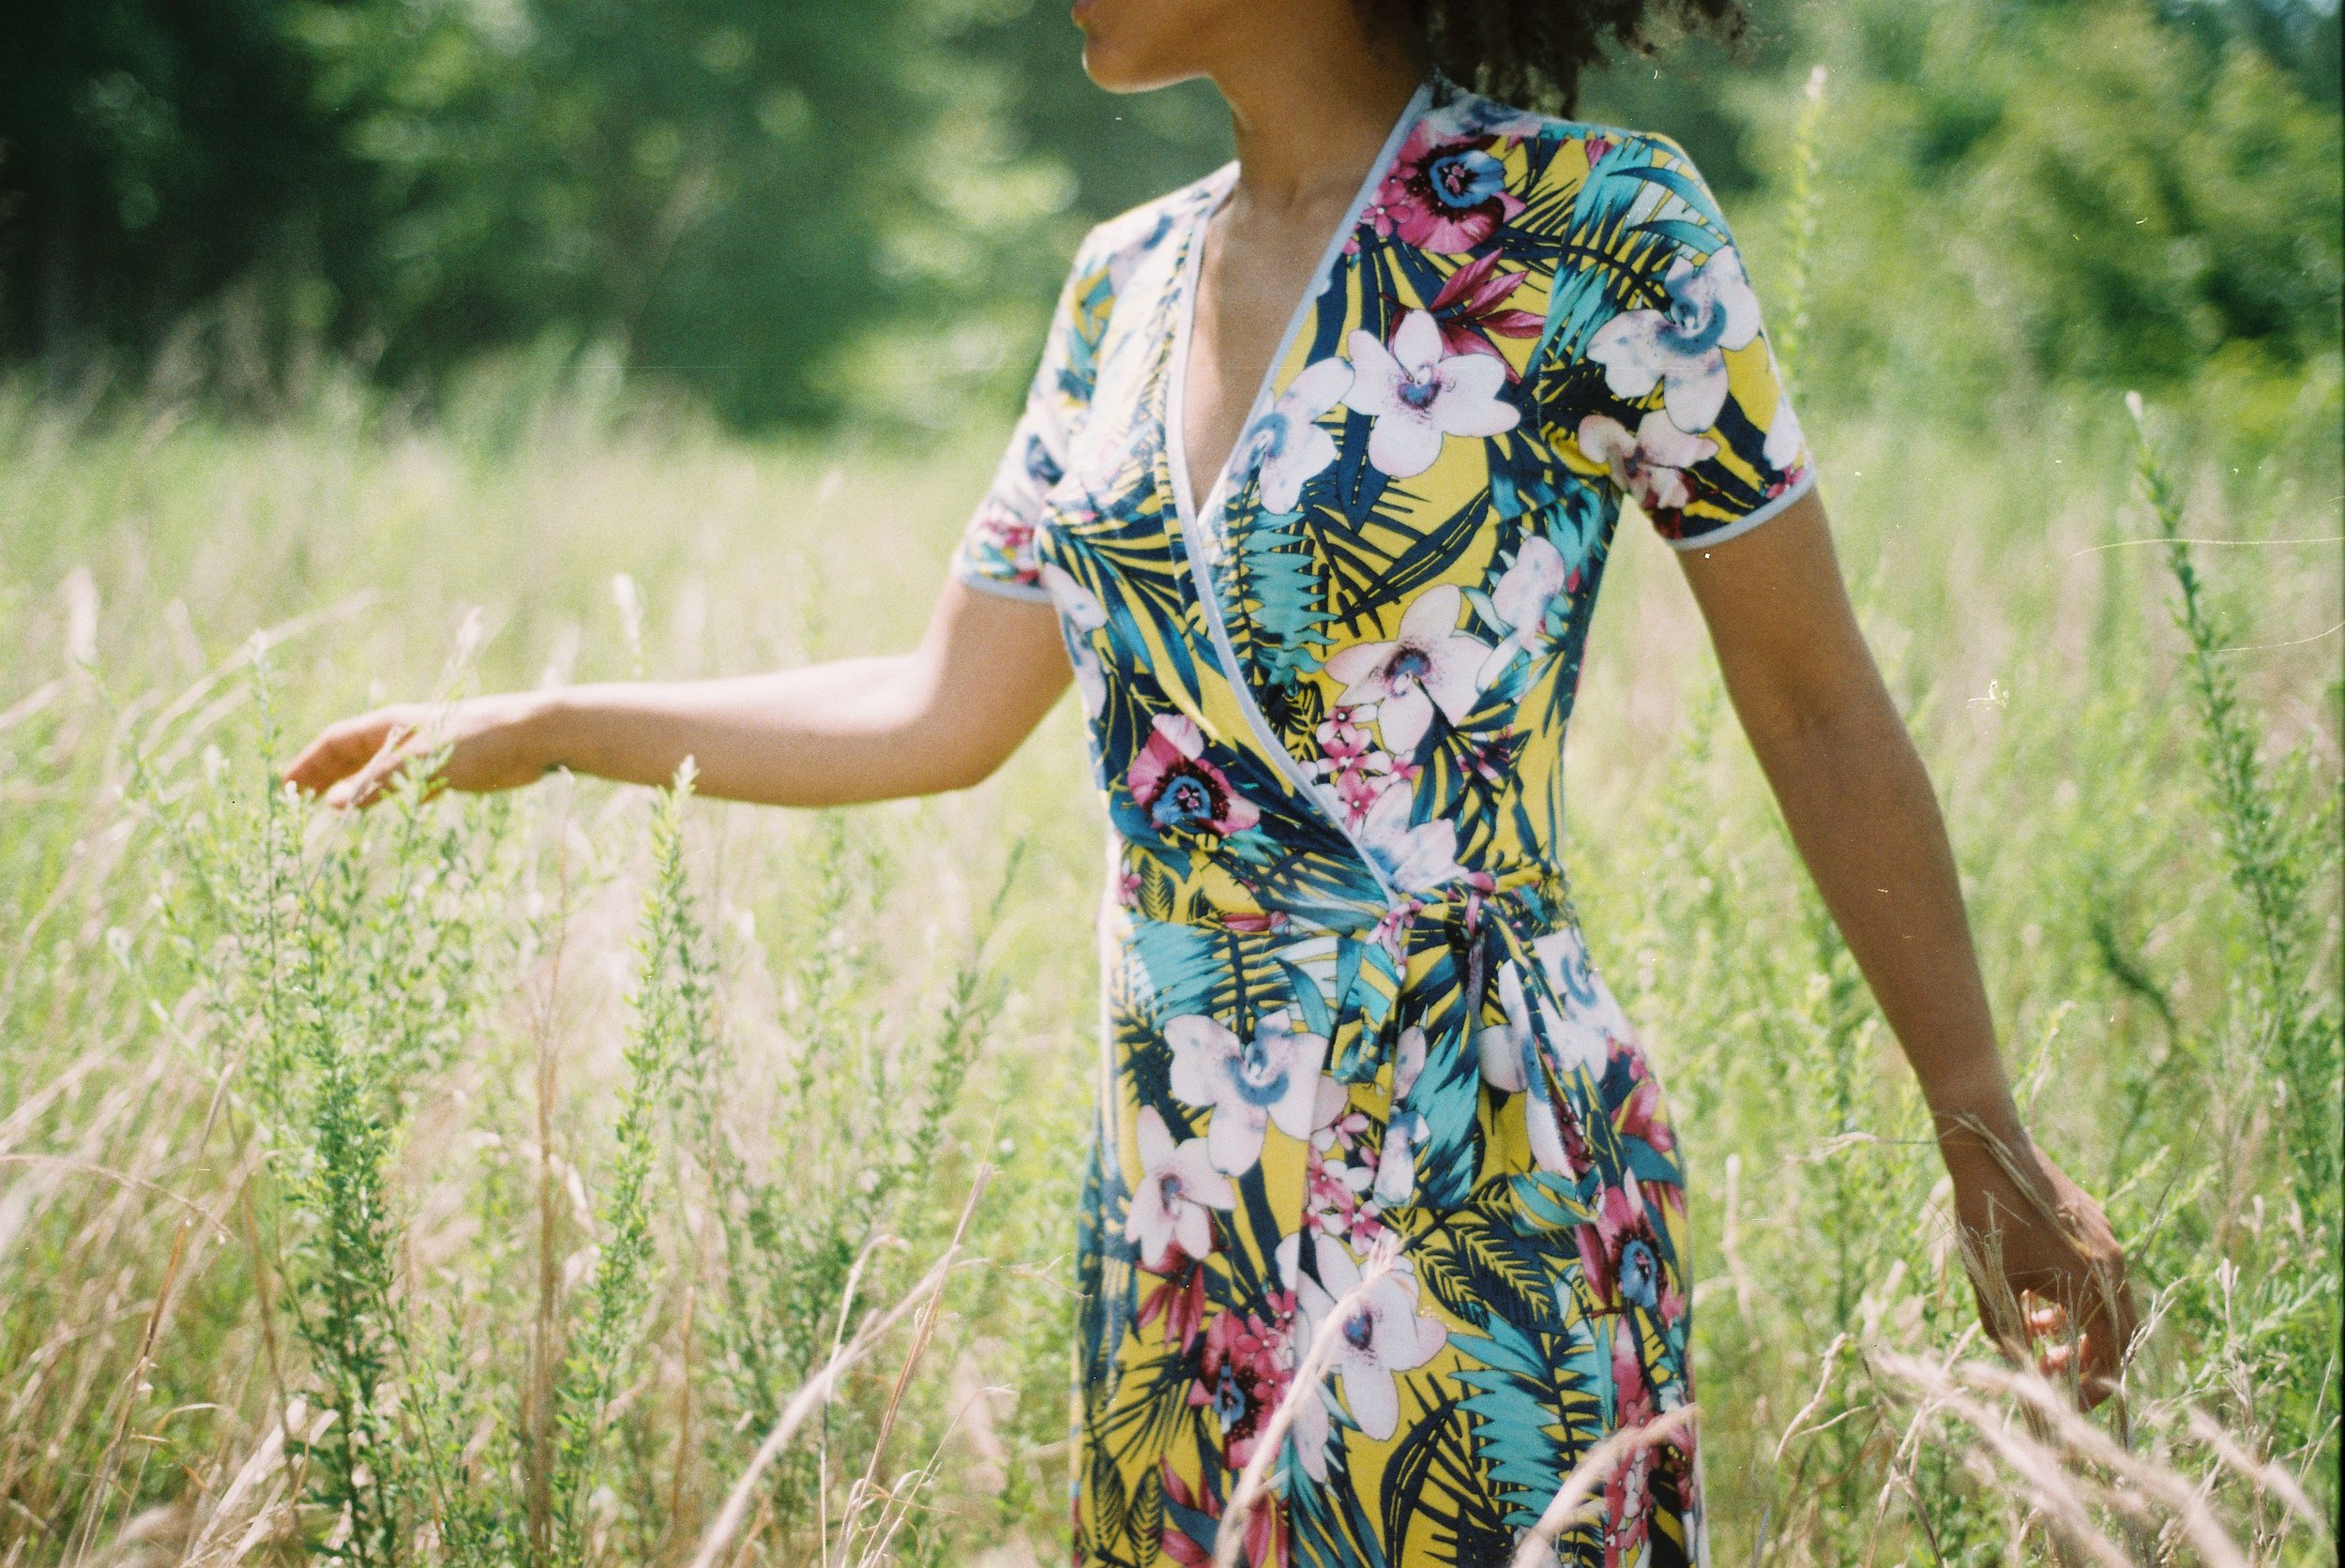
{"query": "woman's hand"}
[(494, 743), (2043, 1261)]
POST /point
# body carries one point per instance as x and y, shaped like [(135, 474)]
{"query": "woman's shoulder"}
[(1539, 180), (1113, 244), (1459, 114)]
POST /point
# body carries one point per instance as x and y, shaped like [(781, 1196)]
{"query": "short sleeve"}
[(996, 549), (1689, 413)]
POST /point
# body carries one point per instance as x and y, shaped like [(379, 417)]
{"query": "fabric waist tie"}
[(1472, 934)]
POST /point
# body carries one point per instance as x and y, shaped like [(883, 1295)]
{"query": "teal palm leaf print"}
[(1358, 1071)]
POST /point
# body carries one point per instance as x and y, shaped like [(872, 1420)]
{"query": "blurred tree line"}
[(808, 211)]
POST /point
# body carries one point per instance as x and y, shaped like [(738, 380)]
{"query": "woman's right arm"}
[(942, 716)]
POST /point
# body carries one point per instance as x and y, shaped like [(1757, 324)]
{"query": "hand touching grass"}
[(2050, 1275), (489, 743)]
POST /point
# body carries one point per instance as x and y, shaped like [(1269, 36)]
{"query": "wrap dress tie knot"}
[(1437, 1010)]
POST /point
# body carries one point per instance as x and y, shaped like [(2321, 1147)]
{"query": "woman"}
[(1311, 496)]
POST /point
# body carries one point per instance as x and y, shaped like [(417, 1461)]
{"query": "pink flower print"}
[(1243, 1371), (1172, 1205), (1332, 1182), (1632, 1397), (1351, 764), (1471, 310), (1180, 790), (1428, 664), (1268, 1542), (1383, 1334), (1418, 395), (1629, 1502), (1649, 466), (1445, 194), (1248, 1085), (1179, 1299), (1640, 1116), (998, 528), (1682, 348)]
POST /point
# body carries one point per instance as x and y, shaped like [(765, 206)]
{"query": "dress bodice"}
[(1349, 1023), (1337, 683)]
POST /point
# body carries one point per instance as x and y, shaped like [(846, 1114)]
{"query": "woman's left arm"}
[(1859, 801)]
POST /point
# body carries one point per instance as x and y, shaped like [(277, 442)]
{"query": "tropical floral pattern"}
[(1357, 1072)]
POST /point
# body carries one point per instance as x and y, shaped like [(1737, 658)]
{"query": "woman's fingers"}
[(2044, 1316), (345, 749), (2109, 1323), (366, 785), (355, 762), (2076, 1316), (2089, 1330), (338, 751)]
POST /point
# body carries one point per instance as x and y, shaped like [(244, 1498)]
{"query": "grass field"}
[(479, 1180)]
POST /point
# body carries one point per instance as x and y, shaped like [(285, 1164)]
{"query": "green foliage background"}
[(802, 213)]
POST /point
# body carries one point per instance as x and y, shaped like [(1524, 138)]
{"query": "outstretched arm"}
[(942, 716), (1859, 805)]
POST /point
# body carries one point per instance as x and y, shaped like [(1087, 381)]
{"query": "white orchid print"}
[(1785, 439), (1414, 857), (1405, 1129), (1575, 1039), (1385, 1334), (1172, 1205), (1082, 610), (1418, 395), (1649, 464), (1682, 348), (1249, 1085), (1530, 587), (1563, 955), (1287, 441), (1428, 664)]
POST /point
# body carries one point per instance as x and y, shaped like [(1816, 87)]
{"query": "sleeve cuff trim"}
[(1032, 592), (1748, 521)]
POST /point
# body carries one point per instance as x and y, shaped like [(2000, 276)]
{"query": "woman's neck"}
[(1309, 115)]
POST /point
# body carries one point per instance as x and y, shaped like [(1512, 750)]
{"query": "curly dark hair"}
[(1531, 53)]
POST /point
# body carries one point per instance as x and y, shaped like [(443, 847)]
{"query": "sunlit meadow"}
[(598, 1176)]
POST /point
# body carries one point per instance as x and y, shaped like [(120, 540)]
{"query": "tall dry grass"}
[(582, 1176)]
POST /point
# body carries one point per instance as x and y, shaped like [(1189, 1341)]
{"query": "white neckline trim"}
[(1176, 457), (1184, 324)]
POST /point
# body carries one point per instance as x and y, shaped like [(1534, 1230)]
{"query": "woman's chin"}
[(1130, 46), (1116, 71)]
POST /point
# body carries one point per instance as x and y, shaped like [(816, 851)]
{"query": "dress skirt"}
[(1497, 1139)]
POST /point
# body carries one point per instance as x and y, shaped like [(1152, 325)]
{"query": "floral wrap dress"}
[(1347, 1008)]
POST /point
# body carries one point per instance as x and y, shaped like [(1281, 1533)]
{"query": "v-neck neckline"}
[(1189, 509), (1185, 514)]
